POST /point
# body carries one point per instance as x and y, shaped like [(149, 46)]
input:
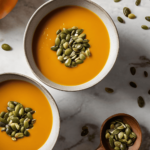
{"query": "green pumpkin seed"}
[(70, 29), (61, 58), (30, 126), (74, 38), (73, 32), (112, 126), (79, 31), (141, 101), (83, 35), (68, 51), (68, 37), (72, 54), (8, 119), (74, 27), (83, 49), (78, 46), (128, 126), (132, 84), (13, 133), (26, 123), (32, 112), (22, 129), (21, 120), (111, 141), (137, 3), (117, 125), (116, 137), (21, 112), (6, 47), (13, 126), (129, 142), (121, 127), (11, 105), (58, 31), (131, 16), (117, 1), (126, 11), (3, 129), (123, 141), (3, 120), (147, 18), (2, 124), (29, 116), (109, 90), (65, 31), (145, 74), (117, 143), (57, 41), (15, 120), (114, 131), (75, 49), (13, 138), (10, 109), (15, 103), (87, 45), (66, 57), (8, 131), (68, 62), (27, 109), (128, 131), (73, 64), (10, 114), (33, 121), (133, 135), (79, 40), (65, 45), (15, 114), (107, 136), (70, 42), (62, 42), (2, 114), (120, 20), (19, 135), (79, 61), (133, 70), (17, 108), (125, 137), (123, 147), (121, 135), (26, 133), (144, 27), (85, 41), (116, 148), (74, 57), (63, 36), (59, 51), (82, 56)]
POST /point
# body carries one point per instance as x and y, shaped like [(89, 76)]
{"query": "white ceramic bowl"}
[(49, 144), (45, 9)]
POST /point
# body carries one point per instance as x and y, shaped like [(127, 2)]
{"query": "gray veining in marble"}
[(92, 106)]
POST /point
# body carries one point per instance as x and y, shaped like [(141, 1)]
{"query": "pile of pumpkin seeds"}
[(127, 13), (120, 135), (71, 46), (17, 120)]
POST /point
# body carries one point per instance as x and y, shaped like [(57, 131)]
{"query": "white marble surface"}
[(92, 106)]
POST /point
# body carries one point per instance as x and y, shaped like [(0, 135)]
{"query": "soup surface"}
[(29, 96), (44, 39)]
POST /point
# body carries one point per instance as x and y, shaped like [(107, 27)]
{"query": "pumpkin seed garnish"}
[(141, 101), (131, 16), (147, 18), (117, 1), (144, 27), (109, 90), (120, 20), (71, 46), (133, 70), (132, 84), (137, 3), (145, 74), (6, 47), (126, 11)]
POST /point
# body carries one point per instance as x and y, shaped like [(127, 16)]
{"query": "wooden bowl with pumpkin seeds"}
[(126, 119)]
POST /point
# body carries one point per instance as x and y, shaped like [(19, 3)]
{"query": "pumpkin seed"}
[(87, 52), (3, 120), (15, 120), (116, 148), (74, 27), (70, 29), (19, 135), (79, 40), (6, 47), (117, 125), (128, 131), (109, 90), (59, 51), (112, 126), (75, 49), (74, 57), (115, 131), (82, 56), (32, 112), (65, 31), (79, 61), (87, 45), (79, 31), (15, 103), (61, 58), (8, 131), (27, 109), (73, 64), (17, 108), (2, 124), (83, 35), (11, 105), (22, 129), (126, 11), (144, 27), (131, 16), (57, 41), (147, 18), (85, 41), (26, 133), (26, 123), (117, 143), (73, 32), (125, 137), (141, 101), (13, 133), (107, 136), (68, 62), (10, 109), (78, 46), (58, 31), (83, 49), (62, 42), (132, 84), (111, 141), (133, 70), (13, 126), (65, 45), (21, 112), (120, 20), (129, 142), (116, 1), (68, 37), (10, 114), (29, 116), (121, 135), (128, 126), (2, 114), (33, 121), (123, 141), (137, 3), (63, 36), (13, 138), (116, 137), (21, 120), (123, 147), (145, 74), (68, 51)]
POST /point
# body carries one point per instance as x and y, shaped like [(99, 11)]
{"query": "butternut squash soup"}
[(45, 35), (29, 96)]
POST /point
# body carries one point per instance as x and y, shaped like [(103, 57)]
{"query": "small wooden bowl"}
[(104, 144)]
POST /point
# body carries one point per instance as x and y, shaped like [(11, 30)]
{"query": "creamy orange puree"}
[(44, 38), (29, 96)]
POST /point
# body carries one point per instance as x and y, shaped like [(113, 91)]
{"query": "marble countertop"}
[(92, 106)]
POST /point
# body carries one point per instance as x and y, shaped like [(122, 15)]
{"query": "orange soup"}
[(29, 96), (44, 39)]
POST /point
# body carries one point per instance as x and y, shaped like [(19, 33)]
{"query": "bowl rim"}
[(40, 85), (62, 89), (117, 115)]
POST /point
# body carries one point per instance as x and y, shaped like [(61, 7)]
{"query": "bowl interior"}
[(56, 120), (46, 9), (126, 119)]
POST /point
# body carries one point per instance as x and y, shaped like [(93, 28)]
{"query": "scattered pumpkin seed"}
[(133, 70), (6, 47), (117, 1), (131, 16), (120, 20), (132, 84), (145, 74), (141, 101), (144, 27), (147, 18), (126, 11), (137, 3), (109, 90)]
